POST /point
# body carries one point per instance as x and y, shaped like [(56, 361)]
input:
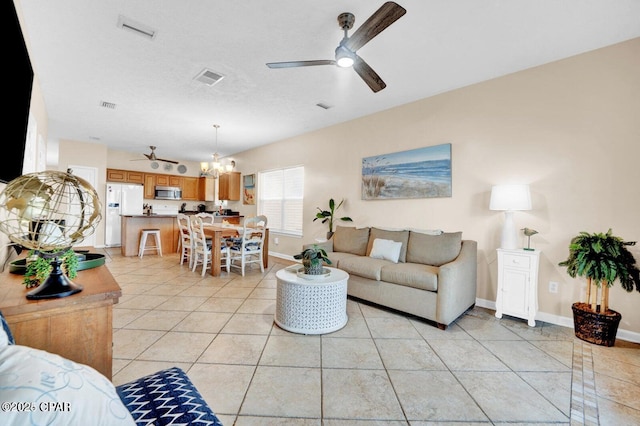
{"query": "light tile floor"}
[(383, 368)]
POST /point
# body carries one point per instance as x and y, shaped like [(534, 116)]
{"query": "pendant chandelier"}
[(215, 168)]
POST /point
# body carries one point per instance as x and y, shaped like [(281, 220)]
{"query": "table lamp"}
[(509, 198)]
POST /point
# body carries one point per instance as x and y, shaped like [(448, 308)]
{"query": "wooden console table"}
[(77, 327)]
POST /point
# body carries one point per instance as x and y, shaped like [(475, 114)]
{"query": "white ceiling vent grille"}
[(324, 105), (109, 105), (136, 27), (209, 77)]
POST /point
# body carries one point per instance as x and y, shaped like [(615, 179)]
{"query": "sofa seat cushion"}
[(433, 250), (416, 275), (348, 239), (363, 266)]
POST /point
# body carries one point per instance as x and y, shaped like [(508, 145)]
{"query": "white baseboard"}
[(630, 336), (282, 256)]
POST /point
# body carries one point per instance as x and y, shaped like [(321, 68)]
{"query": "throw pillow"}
[(167, 397), (49, 389), (386, 249), (348, 239), (433, 250), (401, 236)]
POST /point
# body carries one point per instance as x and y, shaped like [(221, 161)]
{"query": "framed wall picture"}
[(417, 173), (249, 189)]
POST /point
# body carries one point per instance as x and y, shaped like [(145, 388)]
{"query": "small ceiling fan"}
[(152, 157), (345, 55)]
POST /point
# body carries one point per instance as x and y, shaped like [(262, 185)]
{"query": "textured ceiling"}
[(82, 59)]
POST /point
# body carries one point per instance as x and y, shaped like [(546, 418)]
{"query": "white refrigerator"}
[(121, 199)]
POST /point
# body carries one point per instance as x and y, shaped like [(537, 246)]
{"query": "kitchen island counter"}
[(132, 226)]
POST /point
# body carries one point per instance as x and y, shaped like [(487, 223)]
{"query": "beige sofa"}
[(424, 273)]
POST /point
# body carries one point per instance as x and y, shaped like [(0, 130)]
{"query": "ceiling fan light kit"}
[(344, 57), (345, 54)]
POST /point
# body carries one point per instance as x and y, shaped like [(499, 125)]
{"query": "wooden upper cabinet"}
[(175, 181), (229, 186), (149, 185), (114, 175), (190, 188), (135, 177), (125, 176), (206, 188), (162, 180)]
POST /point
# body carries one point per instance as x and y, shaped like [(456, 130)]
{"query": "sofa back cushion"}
[(348, 239), (397, 236), (433, 250)]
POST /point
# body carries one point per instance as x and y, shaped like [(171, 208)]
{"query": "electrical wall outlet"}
[(276, 240), (553, 287)]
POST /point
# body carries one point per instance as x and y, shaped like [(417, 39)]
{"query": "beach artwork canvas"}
[(417, 173)]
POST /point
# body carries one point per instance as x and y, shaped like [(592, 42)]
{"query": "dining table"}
[(217, 232)]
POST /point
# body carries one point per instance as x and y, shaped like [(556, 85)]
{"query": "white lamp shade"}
[(510, 197)]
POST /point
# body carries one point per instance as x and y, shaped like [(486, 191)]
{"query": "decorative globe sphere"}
[(49, 211)]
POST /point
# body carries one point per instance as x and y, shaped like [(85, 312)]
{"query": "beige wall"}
[(569, 129)]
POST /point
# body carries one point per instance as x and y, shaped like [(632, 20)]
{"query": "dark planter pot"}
[(312, 267), (594, 327), (329, 235)]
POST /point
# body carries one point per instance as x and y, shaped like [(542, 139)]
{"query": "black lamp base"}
[(56, 285)]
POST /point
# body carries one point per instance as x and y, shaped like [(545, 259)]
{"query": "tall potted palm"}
[(328, 216), (602, 259)]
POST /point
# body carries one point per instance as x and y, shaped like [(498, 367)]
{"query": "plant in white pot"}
[(328, 216), (602, 259), (313, 259)]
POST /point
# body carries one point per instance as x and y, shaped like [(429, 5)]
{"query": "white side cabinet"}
[(518, 284)]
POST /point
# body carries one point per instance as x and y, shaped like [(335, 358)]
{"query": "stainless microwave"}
[(168, 193)]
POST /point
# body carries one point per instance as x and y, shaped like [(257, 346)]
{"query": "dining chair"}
[(185, 242), (202, 248), (247, 249), (206, 218)]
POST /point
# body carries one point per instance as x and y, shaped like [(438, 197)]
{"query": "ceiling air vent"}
[(208, 77), (109, 105), (136, 27), (323, 105)]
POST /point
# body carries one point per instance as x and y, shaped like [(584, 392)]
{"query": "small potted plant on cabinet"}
[(312, 260), (328, 216), (601, 259)]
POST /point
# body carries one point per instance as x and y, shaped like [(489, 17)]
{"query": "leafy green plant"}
[(39, 268), (328, 215), (602, 259), (312, 259)]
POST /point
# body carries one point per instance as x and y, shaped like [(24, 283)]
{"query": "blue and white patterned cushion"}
[(166, 398)]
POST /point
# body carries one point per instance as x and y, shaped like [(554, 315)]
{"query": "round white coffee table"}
[(311, 306)]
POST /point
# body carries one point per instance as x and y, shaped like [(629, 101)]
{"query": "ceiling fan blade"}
[(369, 76), (388, 13), (167, 161), (293, 64), (150, 156)]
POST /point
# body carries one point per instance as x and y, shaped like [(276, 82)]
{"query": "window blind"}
[(280, 199)]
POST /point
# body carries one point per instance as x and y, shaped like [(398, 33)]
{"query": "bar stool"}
[(143, 242)]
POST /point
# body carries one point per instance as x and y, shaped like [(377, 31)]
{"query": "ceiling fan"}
[(345, 55), (152, 156)]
